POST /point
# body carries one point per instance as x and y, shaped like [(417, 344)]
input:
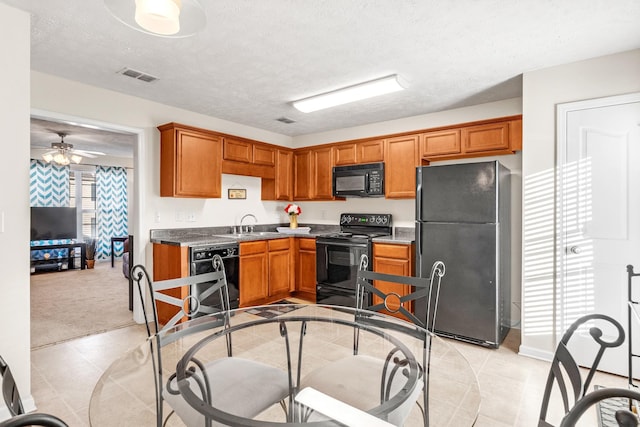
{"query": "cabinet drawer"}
[(307, 244), (278, 244), (391, 251), (249, 248)]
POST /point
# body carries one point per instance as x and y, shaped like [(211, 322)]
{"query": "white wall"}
[(14, 203), (542, 91)]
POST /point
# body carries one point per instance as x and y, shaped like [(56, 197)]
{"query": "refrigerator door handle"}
[(419, 248)]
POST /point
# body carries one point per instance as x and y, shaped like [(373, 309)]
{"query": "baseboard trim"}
[(535, 353)]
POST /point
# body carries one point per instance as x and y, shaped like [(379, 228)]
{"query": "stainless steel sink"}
[(251, 234)]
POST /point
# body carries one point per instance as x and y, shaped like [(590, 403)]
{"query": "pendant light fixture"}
[(165, 18)]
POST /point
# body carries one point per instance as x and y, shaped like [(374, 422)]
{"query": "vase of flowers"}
[(293, 210)]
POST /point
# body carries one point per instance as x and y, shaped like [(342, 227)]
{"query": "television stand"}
[(56, 264)]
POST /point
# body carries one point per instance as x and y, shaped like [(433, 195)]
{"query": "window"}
[(83, 196)]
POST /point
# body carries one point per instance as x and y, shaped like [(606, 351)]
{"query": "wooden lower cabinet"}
[(393, 259), (306, 268), (253, 272), (279, 267), (170, 262), (265, 271)]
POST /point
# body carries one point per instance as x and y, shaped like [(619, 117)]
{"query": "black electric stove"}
[(338, 256)]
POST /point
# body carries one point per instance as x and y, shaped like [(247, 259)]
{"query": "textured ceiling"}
[(255, 57)]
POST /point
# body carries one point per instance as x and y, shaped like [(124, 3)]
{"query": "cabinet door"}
[(264, 155), (190, 164), (279, 272), (344, 154), (306, 266), (284, 175), (253, 272), (396, 260), (170, 262), (239, 151), (322, 174), (302, 175), (370, 151), (440, 143), (401, 159), (492, 136)]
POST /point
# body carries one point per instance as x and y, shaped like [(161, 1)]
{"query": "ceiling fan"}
[(64, 153)]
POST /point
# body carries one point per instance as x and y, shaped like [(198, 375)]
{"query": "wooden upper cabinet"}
[(440, 142), (358, 152), (370, 151), (344, 154), (302, 175), (190, 163), (401, 160), (284, 175), (492, 136), (322, 173), (237, 150), (264, 155)]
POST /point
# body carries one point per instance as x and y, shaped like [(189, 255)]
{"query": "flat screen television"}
[(49, 223)]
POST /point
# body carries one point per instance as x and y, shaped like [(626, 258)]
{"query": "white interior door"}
[(599, 215)]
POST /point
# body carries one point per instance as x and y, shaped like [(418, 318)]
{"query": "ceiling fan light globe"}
[(59, 158), (75, 158), (47, 157), (158, 16)]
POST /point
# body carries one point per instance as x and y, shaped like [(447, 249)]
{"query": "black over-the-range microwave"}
[(359, 180)]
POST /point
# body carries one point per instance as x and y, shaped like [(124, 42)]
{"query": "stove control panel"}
[(370, 220)]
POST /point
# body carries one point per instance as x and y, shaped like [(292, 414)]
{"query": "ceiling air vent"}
[(285, 120), (137, 75)]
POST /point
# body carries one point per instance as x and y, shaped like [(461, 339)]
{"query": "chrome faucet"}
[(248, 228)]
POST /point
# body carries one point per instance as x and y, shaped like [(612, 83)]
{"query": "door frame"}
[(137, 227), (562, 112)]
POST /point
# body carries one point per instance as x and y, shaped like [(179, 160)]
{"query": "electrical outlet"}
[(157, 217), (191, 217), (179, 216)]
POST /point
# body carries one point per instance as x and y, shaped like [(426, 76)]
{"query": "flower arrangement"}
[(293, 209)]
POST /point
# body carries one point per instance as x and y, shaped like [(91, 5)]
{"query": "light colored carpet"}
[(75, 303)]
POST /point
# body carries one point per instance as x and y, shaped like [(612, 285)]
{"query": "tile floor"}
[(63, 377)]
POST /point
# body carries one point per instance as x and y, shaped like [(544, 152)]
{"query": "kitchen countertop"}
[(221, 235)]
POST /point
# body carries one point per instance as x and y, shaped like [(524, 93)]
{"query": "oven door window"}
[(338, 264)]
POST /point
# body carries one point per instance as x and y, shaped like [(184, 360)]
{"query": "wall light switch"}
[(179, 216), (157, 217)]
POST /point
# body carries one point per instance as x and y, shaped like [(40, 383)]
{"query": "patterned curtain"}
[(49, 184), (49, 187), (111, 209)]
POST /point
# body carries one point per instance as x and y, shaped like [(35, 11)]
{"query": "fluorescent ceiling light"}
[(349, 94)]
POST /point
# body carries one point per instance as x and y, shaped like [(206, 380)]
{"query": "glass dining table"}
[(299, 339)]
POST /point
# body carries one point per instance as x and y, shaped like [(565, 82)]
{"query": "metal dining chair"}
[(16, 409), (348, 379), (246, 386), (564, 373)]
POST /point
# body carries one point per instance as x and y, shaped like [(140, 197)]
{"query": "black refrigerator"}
[(463, 219)]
